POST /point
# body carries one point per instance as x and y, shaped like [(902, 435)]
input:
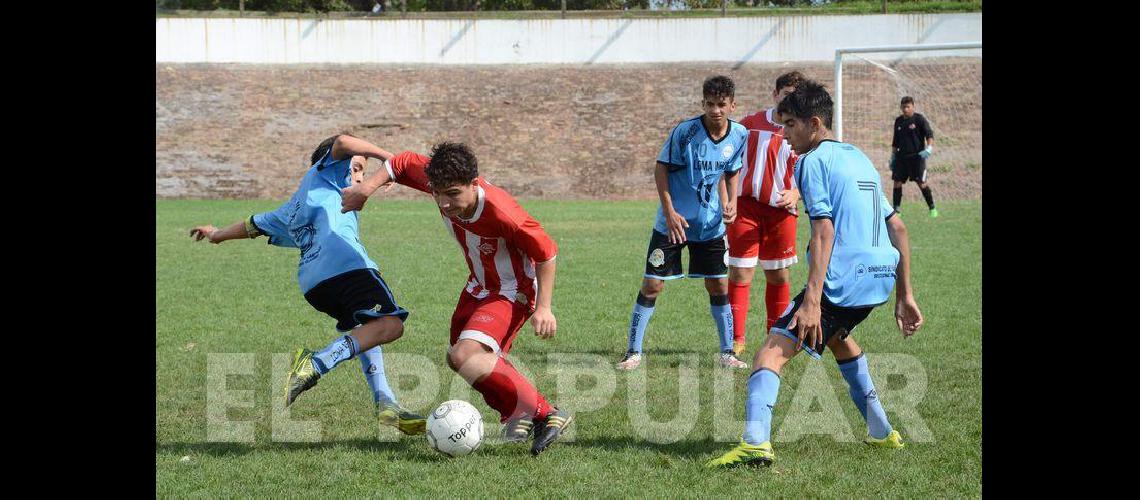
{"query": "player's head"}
[(907, 106), (451, 174), (806, 116), (786, 84), (358, 162), (719, 98)]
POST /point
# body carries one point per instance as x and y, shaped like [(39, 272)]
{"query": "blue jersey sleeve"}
[(813, 187), (273, 224), (671, 153), (887, 209)]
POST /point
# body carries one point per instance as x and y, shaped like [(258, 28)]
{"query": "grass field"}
[(242, 297)]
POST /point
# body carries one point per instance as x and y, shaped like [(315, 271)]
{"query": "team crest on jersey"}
[(487, 248), (657, 257), (860, 271), (727, 151), (911, 126)]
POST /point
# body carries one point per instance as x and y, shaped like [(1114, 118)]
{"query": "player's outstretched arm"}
[(346, 146), (907, 315), (543, 320), (236, 231), (819, 251)]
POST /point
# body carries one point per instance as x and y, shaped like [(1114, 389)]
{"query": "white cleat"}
[(728, 359), (631, 361)]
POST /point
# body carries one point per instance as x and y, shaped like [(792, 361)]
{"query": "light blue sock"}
[(372, 364), (722, 315), (763, 386), (642, 311), (863, 393), (341, 349)]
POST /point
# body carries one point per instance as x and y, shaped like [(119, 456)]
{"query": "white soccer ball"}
[(455, 428)]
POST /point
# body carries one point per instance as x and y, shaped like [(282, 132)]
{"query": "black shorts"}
[(909, 168), (355, 298), (833, 319), (707, 259)]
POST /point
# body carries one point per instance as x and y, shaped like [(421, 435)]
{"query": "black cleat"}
[(546, 432)]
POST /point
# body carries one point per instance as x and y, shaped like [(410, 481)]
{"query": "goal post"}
[(943, 78)]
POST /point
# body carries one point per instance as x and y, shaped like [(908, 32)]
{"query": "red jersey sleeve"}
[(407, 168), (749, 121), (532, 239)]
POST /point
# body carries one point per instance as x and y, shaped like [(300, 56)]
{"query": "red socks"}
[(738, 299), (776, 299), (511, 394)]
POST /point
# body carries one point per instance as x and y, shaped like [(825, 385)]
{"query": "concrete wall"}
[(570, 41)]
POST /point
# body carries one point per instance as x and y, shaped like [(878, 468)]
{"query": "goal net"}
[(945, 81)]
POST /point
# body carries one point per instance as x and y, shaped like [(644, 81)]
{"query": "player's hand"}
[(676, 226), (729, 212), (544, 322), (353, 198), (892, 161), (206, 232), (926, 152), (810, 330), (788, 199), (907, 315)]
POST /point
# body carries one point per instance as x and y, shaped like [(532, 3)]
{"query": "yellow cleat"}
[(738, 348), (407, 422), (745, 454), (893, 440), (302, 375)]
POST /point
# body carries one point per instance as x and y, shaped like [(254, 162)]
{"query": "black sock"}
[(898, 197), (929, 197)]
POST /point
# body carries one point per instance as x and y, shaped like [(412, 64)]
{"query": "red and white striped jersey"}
[(763, 120), (769, 162), (501, 242)]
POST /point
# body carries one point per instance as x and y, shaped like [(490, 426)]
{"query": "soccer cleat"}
[(934, 213), (738, 348), (745, 454), (517, 430), (893, 440), (727, 359), (394, 415), (302, 375), (548, 431), (631, 361)]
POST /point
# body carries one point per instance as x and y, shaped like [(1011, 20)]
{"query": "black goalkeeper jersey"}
[(911, 134)]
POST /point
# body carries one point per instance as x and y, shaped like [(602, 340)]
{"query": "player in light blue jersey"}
[(335, 274), (857, 253), (695, 177)]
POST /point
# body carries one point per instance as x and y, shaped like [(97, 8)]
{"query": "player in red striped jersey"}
[(511, 259), (764, 232)]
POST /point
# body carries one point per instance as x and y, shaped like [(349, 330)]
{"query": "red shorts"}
[(761, 234), (493, 321)]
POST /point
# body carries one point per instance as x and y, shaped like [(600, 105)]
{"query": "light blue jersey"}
[(311, 221), (696, 163), (838, 182)]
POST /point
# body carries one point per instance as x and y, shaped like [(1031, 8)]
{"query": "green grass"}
[(242, 297)]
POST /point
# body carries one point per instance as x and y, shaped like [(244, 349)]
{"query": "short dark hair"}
[(790, 79), (906, 100), (324, 147), (451, 164), (809, 99), (719, 86)]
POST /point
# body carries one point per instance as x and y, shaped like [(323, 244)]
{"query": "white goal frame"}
[(837, 117)]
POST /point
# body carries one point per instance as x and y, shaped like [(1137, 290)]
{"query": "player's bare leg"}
[(853, 366)]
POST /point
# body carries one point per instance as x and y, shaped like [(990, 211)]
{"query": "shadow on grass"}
[(684, 449), (408, 448)]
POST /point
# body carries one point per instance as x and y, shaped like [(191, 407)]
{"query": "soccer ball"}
[(455, 428)]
